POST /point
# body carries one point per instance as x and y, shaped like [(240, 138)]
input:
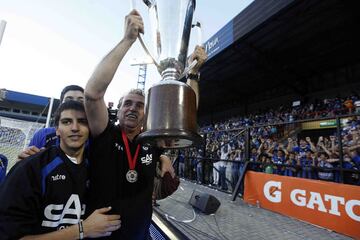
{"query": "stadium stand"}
[(277, 153)]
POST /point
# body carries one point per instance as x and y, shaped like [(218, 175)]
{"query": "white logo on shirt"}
[(58, 214), (147, 159), (145, 148)]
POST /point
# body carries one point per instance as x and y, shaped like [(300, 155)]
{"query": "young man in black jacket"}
[(44, 195)]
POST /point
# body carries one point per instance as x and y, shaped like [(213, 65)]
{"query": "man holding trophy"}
[(122, 169)]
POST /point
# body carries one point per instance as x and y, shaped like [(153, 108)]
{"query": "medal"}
[(131, 175)]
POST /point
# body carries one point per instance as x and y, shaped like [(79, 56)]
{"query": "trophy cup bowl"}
[(170, 105)]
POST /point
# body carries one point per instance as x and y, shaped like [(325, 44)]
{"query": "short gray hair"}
[(132, 91)]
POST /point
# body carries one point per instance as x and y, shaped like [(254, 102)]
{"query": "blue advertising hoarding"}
[(222, 39)]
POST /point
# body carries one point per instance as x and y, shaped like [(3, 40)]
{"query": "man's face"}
[(73, 130), (131, 112), (74, 95)]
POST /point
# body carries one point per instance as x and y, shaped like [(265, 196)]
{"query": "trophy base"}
[(170, 138), (170, 116)]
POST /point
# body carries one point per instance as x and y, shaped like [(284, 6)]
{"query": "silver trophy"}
[(170, 112)]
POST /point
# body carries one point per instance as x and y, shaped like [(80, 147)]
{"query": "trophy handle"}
[(149, 4), (199, 42), (147, 51)]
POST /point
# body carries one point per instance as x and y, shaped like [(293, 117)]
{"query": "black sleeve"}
[(20, 202), (104, 136)]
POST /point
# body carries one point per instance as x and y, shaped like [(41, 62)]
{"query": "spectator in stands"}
[(216, 168), (254, 154), (355, 157), (267, 166), (3, 167), (307, 163), (199, 168), (225, 154), (193, 163), (229, 164), (334, 146), (181, 159), (326, 172), (46, 137), (349, 176), (131, 194), (278, 158), (265, 147), (293, 164), (237, 166), (264, 144), (43, 196), (349, 105)]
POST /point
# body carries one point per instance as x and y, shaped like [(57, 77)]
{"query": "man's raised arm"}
[(95, 89), (200, 55)]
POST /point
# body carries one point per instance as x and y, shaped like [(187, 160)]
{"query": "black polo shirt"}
[(109, 186)]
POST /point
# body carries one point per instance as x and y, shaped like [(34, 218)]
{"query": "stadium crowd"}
[(274, 149), (329, 107)]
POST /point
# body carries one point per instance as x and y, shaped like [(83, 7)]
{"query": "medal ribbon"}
[(131, 161)]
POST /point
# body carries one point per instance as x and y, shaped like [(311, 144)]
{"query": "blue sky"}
[(48, 44)]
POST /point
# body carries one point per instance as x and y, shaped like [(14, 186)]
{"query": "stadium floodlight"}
[(142, 63), (2, 29)]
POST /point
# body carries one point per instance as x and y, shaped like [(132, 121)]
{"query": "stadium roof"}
[(24, 106), (25, 98), (282, 45)]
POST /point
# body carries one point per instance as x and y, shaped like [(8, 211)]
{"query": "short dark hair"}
[(70, 88), (68, 105)]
